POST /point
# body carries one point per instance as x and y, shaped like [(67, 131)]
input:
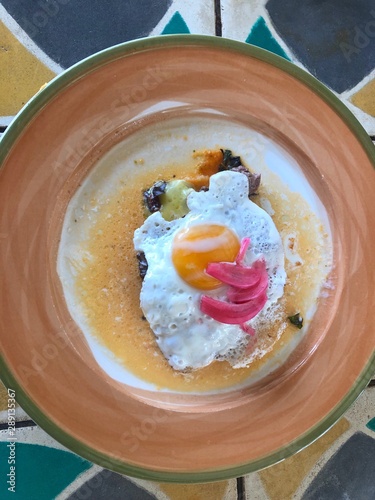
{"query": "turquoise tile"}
[(371, 424), (261, 36), (176, 25), (41, 472)]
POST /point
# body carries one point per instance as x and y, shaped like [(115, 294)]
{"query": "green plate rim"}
[(9, 139)]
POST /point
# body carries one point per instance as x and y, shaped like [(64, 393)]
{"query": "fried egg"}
[(178, 253)]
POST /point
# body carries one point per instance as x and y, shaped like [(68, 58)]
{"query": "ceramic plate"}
[(46, 153)]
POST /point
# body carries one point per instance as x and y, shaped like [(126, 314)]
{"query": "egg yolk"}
[(196, 246)]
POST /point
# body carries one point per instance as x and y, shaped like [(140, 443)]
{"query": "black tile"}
[(334, 39), (69, 30), (107, 485), (349, 474)]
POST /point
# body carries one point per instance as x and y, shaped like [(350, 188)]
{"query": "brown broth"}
[(109, 285)]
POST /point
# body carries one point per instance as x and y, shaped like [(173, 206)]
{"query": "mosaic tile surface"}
[(261, 36), (37, 456), (68, 31), (327, 469), (333, 40), (344, 477)]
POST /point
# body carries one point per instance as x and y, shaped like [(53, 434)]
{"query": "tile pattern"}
[(175, 25), (296, 467), (106, 484), (334, 40), (222, 489), (20, 415), (39, 40), (371, 424), (344, 477), (308, 475), (19, 81), (3, 398), (35, 463), (68, 31), (365, 98), (261, 36), (37, 456)]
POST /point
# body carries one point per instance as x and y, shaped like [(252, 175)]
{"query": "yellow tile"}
[(22, 74), (3, 397), (283, 479), (365, 98), (214, 491)]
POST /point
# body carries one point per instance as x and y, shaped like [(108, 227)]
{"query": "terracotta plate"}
[(44, 357)]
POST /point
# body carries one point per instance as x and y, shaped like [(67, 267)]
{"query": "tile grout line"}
[(19, 424), (241, 489), (240, 481), (218, 22)]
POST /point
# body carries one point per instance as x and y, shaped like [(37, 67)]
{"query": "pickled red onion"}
[(247, 293), (232, 314)]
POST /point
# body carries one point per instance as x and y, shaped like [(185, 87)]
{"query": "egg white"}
[(188, 338)]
